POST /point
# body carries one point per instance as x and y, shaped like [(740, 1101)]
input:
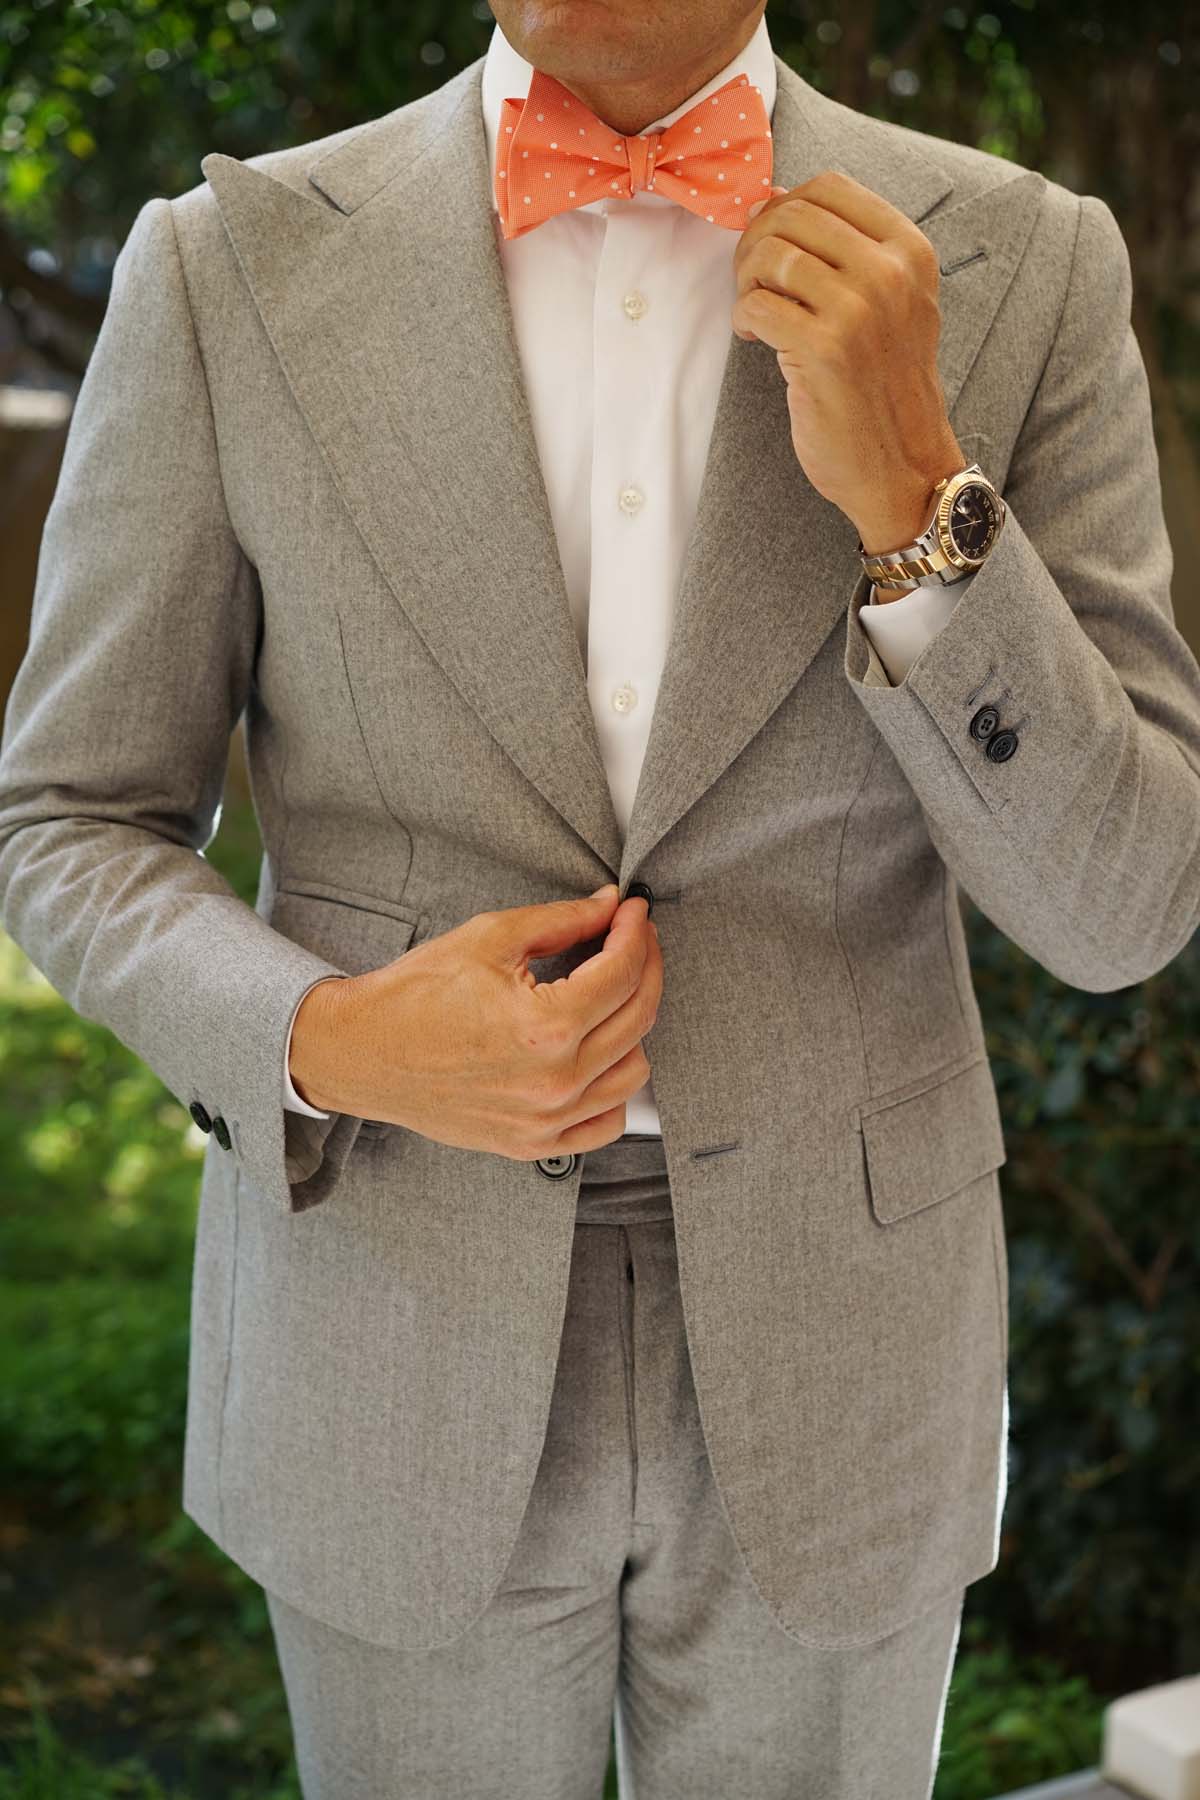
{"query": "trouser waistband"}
[(625, 1182)]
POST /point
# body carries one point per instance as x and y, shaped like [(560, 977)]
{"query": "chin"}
[(555, 37)]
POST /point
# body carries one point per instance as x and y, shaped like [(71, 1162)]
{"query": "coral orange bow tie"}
[(553, 154)]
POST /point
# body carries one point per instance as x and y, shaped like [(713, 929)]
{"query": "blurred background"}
[(135, 1659)]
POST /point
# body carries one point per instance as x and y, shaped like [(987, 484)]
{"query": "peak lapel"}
[(389, 314), (771, 564)]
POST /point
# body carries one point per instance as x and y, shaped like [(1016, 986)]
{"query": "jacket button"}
[(221, 1132), (200, 1115), (984, 723), (556, 1167), (1002, 746), (645, 890)]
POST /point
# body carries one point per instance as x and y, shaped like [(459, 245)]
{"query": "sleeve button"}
[(200, 1116), (221, 1132), (1002, 746), (984, 723)]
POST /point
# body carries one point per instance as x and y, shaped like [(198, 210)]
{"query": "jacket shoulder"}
[(363, 155), (974, 171)]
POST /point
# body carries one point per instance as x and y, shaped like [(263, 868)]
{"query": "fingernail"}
[(756, 208), (608, 888)]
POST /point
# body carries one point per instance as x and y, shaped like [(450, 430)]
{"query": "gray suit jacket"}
[(301, 481)]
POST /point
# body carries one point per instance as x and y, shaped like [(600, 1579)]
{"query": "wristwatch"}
[(967, 520)]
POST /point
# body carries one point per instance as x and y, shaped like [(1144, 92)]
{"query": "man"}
[(590, 1307)]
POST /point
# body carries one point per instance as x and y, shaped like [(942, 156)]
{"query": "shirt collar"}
[(507, 75)]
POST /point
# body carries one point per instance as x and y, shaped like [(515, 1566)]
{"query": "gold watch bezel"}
[(935, 549), (951, 486)]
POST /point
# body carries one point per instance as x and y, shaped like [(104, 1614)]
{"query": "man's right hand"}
[(457, 1040)]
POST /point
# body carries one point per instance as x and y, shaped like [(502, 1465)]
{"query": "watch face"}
[(974, 521)]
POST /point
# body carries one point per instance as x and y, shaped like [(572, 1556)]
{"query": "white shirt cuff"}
[(900, 629), (291, 1098)]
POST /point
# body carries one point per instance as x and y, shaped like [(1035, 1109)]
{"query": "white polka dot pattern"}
[(718, 152)]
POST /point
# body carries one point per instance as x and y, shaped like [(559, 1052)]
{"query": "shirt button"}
[(635, 305), (624, 698), (631, 500)]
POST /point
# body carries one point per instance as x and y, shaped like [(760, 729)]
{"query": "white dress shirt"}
[(621, 311)]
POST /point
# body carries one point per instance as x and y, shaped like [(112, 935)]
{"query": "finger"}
[(810, 227), (605, 1128), (616, 1035), (775, 321), (605, 981), (612, 1087), (784, 268), (752, 212), (527, 931), (859, 206)]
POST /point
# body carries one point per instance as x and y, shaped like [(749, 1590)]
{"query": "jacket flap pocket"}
[(345, 930), (929, 1145)]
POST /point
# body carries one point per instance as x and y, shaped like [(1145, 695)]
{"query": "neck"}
[(629, 106)]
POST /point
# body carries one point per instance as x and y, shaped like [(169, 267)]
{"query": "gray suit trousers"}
[(625, 1605)]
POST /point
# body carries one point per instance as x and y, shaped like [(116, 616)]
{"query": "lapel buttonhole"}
[(952, 268)]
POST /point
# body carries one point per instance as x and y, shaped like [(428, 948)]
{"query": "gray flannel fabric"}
[(301, 484), (625, 1595)]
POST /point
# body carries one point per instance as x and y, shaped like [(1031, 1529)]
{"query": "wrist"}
[(896, 516), (897, 527), (318, 1031)]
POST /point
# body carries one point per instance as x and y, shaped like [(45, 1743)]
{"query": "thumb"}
[(556, 925), (754, 210)]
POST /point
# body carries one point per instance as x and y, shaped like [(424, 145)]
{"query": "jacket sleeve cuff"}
[(1078, 840), (289, 1161), (899, 629)]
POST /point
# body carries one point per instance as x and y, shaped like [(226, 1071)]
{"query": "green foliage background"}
[(1100, 1096)]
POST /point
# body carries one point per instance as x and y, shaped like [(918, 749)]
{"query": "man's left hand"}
[(844, 288)]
